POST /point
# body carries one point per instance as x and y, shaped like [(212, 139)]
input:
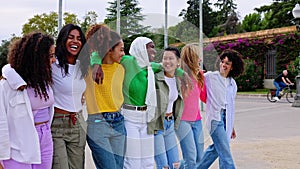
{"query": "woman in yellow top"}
[(106, 133)]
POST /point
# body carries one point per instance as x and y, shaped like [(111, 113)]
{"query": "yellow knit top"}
[(108, 96)]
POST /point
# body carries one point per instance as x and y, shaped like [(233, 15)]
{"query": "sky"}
[(15, 13)]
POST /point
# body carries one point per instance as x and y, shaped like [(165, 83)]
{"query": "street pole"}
[(118, 17), (201, 39), (59, 15), (296, 14), (297, 98), (166, 25), (200, 33)]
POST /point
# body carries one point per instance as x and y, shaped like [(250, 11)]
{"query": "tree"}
[(227, 7), (3, 53), (191, 15), (48, 23), (279, 13), (227, 18), (45, 22), (130, 17), (185, 31), (89, 19), (252, 22)]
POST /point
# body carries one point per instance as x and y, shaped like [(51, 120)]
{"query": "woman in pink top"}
[(189, 131)]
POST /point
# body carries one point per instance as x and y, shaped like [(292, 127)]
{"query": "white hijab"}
[(139, 51)]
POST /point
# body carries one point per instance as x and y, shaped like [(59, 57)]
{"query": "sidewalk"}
[(251, 95)]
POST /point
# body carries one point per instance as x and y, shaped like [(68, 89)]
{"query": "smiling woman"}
[(68, 126)]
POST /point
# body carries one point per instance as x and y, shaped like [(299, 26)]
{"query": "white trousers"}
[(140, 146)]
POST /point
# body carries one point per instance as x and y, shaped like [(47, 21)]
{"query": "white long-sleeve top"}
[(18, 136), (220, 96)]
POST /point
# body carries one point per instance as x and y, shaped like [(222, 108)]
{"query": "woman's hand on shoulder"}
[(97, 74)]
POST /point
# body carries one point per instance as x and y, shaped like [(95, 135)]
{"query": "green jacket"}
[(162, 92)]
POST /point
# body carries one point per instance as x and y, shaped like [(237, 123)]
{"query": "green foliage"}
[(252, 22), (280, 13), (3, 53), (89, 19), (48, 23), (254, 51), (70, 18), (185, 31), (191, 15), (226, 8), (252, 77), (130, 18)]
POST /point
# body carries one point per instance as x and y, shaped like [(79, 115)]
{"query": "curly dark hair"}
[(61, 51), (29, 56), (237, 62)]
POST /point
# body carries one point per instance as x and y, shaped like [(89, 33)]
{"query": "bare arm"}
[(289, 82)]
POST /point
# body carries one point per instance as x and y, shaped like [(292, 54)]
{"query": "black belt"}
[(137, 108)]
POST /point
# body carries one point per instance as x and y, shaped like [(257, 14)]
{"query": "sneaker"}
[(276, 98)]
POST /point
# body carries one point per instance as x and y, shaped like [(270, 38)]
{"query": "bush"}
[(251, 79)]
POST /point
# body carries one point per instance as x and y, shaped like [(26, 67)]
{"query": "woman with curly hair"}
[(68, 127), (190, 132), (26, 106), (221, 92)]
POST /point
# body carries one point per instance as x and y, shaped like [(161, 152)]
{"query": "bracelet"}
[(95, 59)]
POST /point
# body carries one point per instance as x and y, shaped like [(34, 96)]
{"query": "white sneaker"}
[(276, 98)]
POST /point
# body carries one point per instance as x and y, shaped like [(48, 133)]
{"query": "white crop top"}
[(68, 89)]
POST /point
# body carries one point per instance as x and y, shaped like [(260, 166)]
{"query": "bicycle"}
[(287, 92)]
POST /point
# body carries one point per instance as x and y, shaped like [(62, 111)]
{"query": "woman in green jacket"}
[(169, 110)]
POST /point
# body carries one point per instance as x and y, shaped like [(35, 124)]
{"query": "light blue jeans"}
[(220, 147), (106, 138), (165, 146), (191, 139)]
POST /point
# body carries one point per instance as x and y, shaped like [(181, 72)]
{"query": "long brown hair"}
[(101, 39), (190, 63), (29, 56)]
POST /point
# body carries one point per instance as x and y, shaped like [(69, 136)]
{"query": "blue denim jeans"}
[(165, 146), (279, 86), (191, 139), (220, 147), (106, 137)]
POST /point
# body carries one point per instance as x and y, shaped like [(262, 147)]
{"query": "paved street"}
[(268, 135)]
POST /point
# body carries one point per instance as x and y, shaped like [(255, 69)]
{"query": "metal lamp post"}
[(296, 14)]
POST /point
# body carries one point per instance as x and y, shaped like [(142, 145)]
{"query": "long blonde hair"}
[(190, 63)]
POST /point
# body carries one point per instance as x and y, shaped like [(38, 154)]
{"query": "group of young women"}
[(137, 109)]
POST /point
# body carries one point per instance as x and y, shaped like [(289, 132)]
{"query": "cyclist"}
[(280, 82)]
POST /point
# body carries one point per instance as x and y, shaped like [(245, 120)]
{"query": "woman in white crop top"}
[(68, 126)]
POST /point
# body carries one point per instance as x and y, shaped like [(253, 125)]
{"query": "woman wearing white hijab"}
[(139, 103)]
